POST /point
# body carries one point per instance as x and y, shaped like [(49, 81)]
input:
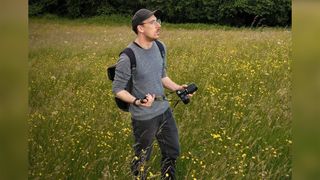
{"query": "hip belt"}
[(160, 98)]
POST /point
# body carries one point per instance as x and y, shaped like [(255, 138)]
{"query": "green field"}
[(238, 125)]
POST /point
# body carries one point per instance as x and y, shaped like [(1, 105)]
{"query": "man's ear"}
[(140, 28)]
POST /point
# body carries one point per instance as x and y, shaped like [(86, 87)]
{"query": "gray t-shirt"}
[(150, 69)]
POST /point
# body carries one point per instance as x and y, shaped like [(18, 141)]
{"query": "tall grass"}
[(238, 125)]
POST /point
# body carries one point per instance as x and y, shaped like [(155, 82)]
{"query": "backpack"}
[(111, 71)]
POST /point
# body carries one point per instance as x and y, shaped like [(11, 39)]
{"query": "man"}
[(150, 112)]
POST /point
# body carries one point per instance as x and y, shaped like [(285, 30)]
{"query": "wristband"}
[(134, 102)]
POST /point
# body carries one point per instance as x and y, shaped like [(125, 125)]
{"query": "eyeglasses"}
[(153, 22)]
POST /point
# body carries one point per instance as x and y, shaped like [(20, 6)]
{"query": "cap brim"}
[(157, 13)]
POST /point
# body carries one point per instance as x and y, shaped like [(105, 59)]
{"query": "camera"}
[(183, 94)]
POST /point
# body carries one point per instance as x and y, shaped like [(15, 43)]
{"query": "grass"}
[(96, 20), (238, 125), (119, 20)]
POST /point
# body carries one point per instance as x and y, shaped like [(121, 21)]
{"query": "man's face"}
[(151, 28)]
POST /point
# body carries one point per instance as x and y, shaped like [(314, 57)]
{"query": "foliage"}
[(229, 12)]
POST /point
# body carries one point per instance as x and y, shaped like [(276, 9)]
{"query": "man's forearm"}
[(125, 96), (169, 84)]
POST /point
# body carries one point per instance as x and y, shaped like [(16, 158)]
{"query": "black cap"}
[(142, 15)]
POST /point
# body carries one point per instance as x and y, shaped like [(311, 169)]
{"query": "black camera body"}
[(183, 94)]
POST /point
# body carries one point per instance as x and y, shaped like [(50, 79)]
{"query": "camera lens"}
[(191, 88), (183, 94)]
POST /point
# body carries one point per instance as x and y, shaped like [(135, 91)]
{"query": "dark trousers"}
[(164, 129)]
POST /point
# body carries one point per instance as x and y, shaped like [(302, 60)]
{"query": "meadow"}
[(237, 126)]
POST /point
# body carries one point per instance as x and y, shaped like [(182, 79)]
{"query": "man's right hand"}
[(147, 101)]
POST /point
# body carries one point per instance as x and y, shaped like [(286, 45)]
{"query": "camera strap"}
[(177, 101), (176, 104)]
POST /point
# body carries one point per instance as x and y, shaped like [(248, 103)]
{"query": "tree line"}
[(226, 12)]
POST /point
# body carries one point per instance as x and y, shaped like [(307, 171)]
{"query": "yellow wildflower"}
[(215, 136)]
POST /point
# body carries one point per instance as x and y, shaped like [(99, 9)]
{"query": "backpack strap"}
[(161, 48), (162, 52), (132, 57)]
